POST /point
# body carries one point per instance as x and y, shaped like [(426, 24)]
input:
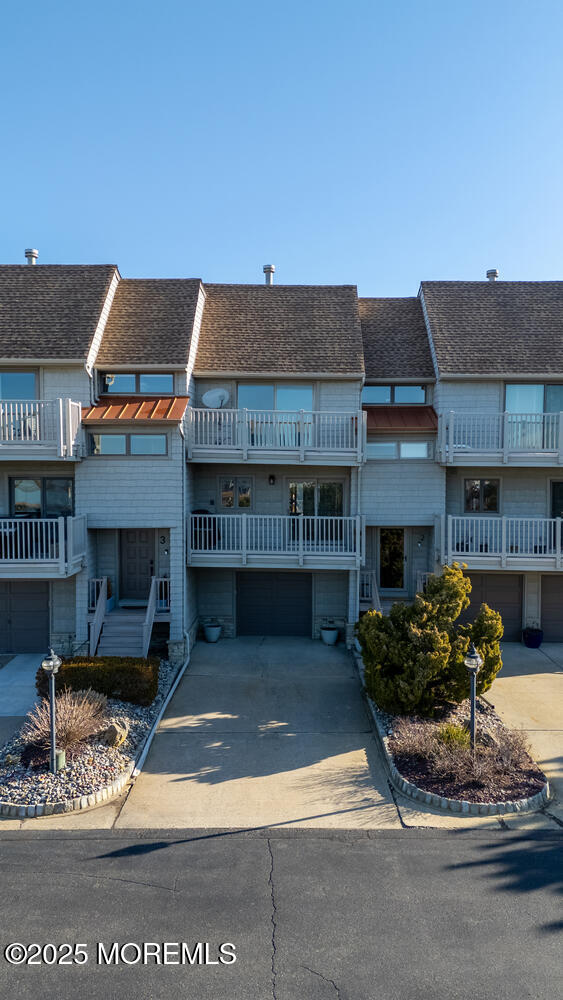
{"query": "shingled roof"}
[(150, 322), (496, 327), (280, 329), (395, 339), (51, 311)]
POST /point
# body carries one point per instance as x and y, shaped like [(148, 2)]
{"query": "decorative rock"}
[(114, 735)]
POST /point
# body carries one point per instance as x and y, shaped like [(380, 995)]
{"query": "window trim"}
[(43, 479), (481, 513), (137, 391), (235, 509), (127, 435), (392, 386)]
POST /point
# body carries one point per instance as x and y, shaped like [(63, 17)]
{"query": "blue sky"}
[(371, 143)]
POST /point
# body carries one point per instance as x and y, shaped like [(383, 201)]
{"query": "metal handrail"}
[(96, 624)]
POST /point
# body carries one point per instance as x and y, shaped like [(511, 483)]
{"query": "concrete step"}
[(118, 649)]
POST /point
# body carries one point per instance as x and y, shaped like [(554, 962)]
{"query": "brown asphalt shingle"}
[(286, 329), (51, 310), (395, 339), (150, 322), (496, 327)]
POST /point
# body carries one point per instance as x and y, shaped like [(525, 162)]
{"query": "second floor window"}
[(382, 394), (481, 496), (527, 397), (18, 385), (41, 497), (128, 444), (147, 383), (236, 493)]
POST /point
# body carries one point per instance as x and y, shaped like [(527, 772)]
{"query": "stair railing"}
[(99, 614), (149, 617)]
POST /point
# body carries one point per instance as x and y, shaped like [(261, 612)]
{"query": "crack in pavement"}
[(326, 980), (273, 918)]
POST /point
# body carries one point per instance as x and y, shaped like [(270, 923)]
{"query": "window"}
[(42, 497), (279, 396), (481, 496), (373, 394), (138, 383), (18, 385), (128, 444), (527, 397), (236, 493), (399, 449)]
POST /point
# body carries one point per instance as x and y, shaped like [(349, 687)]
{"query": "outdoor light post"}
[(51, 665), (473, 662)]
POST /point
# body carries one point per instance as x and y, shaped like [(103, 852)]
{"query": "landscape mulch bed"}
[(504, 770)]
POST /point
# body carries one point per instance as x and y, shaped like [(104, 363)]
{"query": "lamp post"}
[(473, 662), (51, 665)]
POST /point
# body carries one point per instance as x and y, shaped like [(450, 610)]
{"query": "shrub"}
[(79, 715), (453, 735), (123, 677), (414, 657)]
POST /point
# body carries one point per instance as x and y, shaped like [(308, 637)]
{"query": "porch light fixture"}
[(51, 666), (272, 479), (473, 663)]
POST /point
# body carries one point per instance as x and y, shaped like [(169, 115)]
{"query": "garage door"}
[(274, 603), (503, 592), (552, 608), (24, 616)]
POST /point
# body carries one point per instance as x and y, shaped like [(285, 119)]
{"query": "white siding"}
[(339, 396), (401, 493), (70, 382), (330, 598), (266, 499), (523, 492), (469, 397)]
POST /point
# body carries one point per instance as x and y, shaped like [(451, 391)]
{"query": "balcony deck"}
[(266, 436), (277, 541), (518, 439), (525, 543), (42, 548), (39, 429)]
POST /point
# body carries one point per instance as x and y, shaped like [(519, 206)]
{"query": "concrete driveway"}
[(263, 731), (528, 695)]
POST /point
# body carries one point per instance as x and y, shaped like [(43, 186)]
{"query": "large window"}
[(373, 394), (399, 449), (41, 497), (138, 382), (236, 493), (275, 396), (528, 397), (128, 444), (481, 496), (18, 385)]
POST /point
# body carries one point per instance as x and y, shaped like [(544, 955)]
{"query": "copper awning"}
[(123, 409), (398, 419)]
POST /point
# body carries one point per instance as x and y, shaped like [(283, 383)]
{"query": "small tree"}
[(414, 657)]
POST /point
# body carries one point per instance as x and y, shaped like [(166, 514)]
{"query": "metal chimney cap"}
[(492, 274), (32, 256), (268, 270)]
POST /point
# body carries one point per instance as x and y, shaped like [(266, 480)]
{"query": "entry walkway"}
[(17, 691), (261, 732)]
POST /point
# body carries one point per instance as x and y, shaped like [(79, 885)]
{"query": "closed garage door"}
[(552, 608), (274, 603), (24, 616), (502, 592)]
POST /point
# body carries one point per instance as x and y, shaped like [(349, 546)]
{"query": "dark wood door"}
[(137, 563)]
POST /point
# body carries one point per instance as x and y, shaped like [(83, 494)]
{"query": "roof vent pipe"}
[(31, 256), (492, 274), (268, 270)]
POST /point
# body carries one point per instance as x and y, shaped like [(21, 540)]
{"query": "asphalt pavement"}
[(315, 914)]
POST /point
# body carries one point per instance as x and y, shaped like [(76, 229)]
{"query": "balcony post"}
[(505, 437), (301, 435), (191, 428), (451, 437), (503, 542), (560, 439), (62, 543), (300, 523), (60, 429), (243, 538), (450, 533), (558, 542), (245, 433)]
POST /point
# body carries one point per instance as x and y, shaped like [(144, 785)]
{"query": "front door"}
[(392, 555), (557, 499), (137, 563)]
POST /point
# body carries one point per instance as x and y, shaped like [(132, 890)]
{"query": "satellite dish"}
[(215, 399)]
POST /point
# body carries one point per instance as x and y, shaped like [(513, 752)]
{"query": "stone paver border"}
[(69, 805), (530, 804)]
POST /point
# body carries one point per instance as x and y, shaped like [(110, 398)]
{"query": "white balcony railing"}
[(250, 432), (501, 435), (56, 544), (262, 539), (504, 540), (51, 424)]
